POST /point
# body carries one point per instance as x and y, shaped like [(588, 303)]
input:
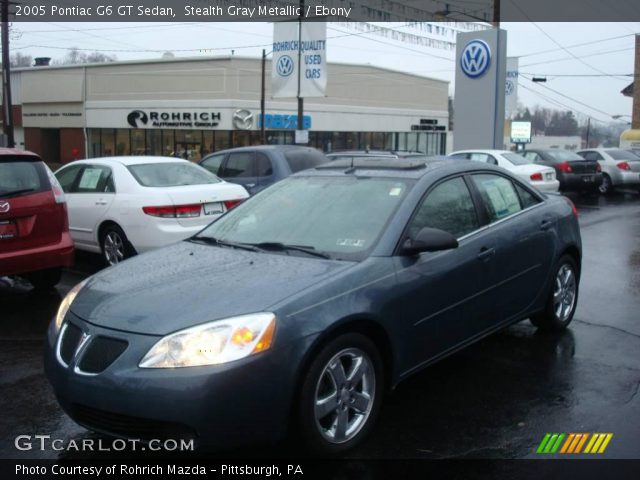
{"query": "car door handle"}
[(486, 253), (101, 202), (546, 224)]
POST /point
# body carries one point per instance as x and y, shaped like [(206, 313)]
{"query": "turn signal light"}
[(229, 204), (536, 177)]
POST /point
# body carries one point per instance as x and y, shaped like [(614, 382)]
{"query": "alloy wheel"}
[(114, 249), (564, 293), (344, 395)]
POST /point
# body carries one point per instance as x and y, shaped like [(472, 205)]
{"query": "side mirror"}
[(429, 240)]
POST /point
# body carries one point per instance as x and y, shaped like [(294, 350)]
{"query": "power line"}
[(576, 45)]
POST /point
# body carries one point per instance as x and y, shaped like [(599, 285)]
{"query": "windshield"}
[(340, 216), (515, 159), (171, 174), (622, 155), (564, 156)]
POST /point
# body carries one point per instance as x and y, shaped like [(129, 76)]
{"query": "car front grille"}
[(100, 353), (69, 342), (129, 427)]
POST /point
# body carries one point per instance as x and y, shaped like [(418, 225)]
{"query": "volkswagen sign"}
[(475, 59), (285, 66)]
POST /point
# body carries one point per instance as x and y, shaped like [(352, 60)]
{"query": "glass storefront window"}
[(108, 139), (168, 143), (222, 140), (188, 144), (123, 144), (95, 143), (154, 142), (207, 142), (138, 143)]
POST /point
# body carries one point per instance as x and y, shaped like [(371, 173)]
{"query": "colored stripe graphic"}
[(574, 443)]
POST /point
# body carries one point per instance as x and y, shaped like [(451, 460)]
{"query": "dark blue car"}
[(299, 308), (257, 167)]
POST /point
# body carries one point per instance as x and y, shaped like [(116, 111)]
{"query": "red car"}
[(34, 228)]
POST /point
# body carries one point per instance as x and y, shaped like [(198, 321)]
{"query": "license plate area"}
[(8, 229), (212, 208), (587, 178)]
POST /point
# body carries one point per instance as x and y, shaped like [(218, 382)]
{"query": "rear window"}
[(516, 159), (564, 156), (303, 159), (20, 177), (622, 155), (171, 174)]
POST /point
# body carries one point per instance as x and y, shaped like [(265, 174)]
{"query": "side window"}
[(213, 163), (95, 179), (67, 178), (499, 195), (264, 166), (479, 157), (531, 156), (527, 199), (449, 207), (460, 156), (591, 156), (240, 164)]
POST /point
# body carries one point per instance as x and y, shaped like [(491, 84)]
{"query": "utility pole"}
[(496, 13), (588, 131), (6, 77), (262, 93)]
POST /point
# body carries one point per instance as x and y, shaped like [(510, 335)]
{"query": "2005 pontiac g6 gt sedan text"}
[(297, 309)]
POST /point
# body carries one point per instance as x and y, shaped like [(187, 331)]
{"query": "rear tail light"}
[(623, 166), (565, 167), (58, 193), (536, 177), (598, 168), (174, 211), (573, 207), (229, 204)]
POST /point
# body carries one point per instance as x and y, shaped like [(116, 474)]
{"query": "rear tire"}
[(606, 187), (562, 298), (45, 279), (341, 395), (114, 245)]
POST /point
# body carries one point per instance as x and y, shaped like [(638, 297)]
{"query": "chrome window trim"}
[(502, 220)]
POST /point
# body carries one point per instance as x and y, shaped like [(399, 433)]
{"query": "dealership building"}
[(193, 106)]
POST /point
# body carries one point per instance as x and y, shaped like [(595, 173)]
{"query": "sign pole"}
[(300, 99), (6, 77), (262, 130)]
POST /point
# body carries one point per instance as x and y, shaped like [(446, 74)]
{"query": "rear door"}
[(240, 168), (265, 172), (90, 191), (29, 214)]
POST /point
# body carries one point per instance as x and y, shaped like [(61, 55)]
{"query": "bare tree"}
[(19, 60), (75, 57)]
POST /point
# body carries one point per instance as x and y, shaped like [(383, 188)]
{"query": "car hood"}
[(187, 284)]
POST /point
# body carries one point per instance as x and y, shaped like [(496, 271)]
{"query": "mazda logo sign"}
[(475, 59), (242, 119), (4, 207)]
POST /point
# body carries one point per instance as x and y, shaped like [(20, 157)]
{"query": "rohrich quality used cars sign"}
[(310, 44)]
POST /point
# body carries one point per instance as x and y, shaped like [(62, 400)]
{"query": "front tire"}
[(341, 394), (114, 245), (562, 299)]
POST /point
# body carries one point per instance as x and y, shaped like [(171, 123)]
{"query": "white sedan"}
[(539, 176), (119, 206)]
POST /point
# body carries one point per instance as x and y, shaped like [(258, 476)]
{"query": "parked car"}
[(572, 171), (620, 168), (541, 177), (119, 206), (255, 168), (382, 155), (304, 304), (34, 229)]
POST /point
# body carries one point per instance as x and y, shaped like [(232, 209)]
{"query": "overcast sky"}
[(586, 79)]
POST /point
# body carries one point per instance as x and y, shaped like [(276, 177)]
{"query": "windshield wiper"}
[(16, 192), (278, 246), (224, 243)]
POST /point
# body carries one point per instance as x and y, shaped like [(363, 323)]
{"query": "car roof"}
[(483, 150), (373, 153), (17, 152), (131, 160), (394, 168), (266, 148)]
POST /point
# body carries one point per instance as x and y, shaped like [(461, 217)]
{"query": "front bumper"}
[(219, 406)]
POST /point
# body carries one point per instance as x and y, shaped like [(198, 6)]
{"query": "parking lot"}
[(496, 399)]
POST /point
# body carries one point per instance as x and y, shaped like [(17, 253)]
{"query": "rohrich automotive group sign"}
[(173, 119)]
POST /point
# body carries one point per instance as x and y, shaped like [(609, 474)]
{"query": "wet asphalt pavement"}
[(495, 399)]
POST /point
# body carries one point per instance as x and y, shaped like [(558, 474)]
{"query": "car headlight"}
[(213, 343), (66, 303)]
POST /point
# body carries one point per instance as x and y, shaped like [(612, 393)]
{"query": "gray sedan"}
[(298, 309)]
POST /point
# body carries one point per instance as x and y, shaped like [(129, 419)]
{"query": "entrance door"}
[(189, 151)]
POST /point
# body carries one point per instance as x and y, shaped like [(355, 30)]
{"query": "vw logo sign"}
[(510, 87), (475, 59), (242, 119), (4, 207), (284, 67)]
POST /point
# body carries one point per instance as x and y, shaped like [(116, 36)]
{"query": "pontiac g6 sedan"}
[(296, 310)]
